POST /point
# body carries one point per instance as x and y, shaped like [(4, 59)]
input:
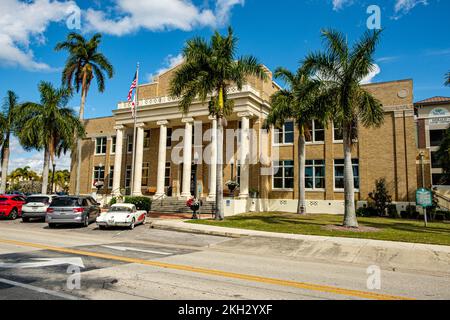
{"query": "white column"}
[(137, 190), (244, 154), (187, 158), (213, 162), (161, 158), (118, 160)]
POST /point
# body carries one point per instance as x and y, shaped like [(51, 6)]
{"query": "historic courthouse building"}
[(175, 156)]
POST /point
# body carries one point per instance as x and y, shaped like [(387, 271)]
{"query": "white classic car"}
[(122, 215)]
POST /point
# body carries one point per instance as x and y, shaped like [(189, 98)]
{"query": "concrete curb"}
[(159, 226)]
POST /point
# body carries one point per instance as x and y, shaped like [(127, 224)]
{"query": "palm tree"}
[(342, 69), (209, 69), (24, 174), (49, 126), (297, 103), (447, 79), (83, 65), (8, 121)]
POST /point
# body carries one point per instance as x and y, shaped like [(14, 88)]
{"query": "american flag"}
[(130, 94)]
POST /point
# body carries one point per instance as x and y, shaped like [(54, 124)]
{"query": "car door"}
[(18, 202), (95, 208)]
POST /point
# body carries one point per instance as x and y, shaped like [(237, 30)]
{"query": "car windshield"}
[(3, 199), (120, 209), (66, 202), (38, 200)]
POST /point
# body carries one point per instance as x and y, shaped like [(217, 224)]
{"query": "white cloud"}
[(169, 62), (129, 16), (404, 6), (22, 23), (369, 78), (339, 4)]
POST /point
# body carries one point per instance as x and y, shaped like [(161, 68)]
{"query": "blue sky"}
[(415, 42)]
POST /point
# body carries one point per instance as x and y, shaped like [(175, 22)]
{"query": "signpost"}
[(424, 198)]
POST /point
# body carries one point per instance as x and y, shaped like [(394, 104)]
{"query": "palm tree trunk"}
[(45, 172), (5, 162), (220, 215), (349, 183), (77, 181), (301, 209)]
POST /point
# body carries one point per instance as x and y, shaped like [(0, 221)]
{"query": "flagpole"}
[(136, 104)]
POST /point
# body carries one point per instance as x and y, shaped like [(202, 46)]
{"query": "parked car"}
[(36, 207), (80, 210), (122, 215), (11, 206)]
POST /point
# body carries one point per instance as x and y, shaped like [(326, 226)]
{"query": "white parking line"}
[(40, 290)]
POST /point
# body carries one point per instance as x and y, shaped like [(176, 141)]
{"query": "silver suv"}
[(72, 210)]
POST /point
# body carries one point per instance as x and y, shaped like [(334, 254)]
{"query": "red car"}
[(11, 206)]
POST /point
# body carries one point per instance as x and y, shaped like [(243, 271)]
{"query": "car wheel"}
[(102, 227), (25, 219), (13, 214), (52, 225), (133, 224), (86, 222)]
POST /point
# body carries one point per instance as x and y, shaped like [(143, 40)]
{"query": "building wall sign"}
[(440, 120), (439, 112)]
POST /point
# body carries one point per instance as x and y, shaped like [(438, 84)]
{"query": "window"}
[(339, 173), (317, 132), (167, 175), (100, 145), (435, 162), (283, 175), (113, 145), (128, 177), (145, 174), (147, 139), (338, 135), (130, 144), (439, 179), (99, 174), (284, 135), (169, 137), (315, 174), (436, 137), (238, 172), (111, 177)]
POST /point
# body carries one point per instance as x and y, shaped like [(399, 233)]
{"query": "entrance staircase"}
[(174, 206)]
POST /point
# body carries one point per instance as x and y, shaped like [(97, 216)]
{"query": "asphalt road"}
[(74, 263)]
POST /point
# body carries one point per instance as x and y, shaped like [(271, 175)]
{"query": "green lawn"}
[(389, 229)]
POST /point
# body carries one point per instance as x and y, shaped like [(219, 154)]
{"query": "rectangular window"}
[(128, 177), (285, 134), (438, 179), (169, 138), (100, 145), (113, 145), (338, 135), (435, 162), (167, 175), (315, 174), (238, 172), (111, 177), (147, 139), (339, 173), (317, 130), (99, 174), (283, 175), (130, 143), (145, 174), (436, 137)]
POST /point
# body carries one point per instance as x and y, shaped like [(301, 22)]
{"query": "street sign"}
[(424, 198)]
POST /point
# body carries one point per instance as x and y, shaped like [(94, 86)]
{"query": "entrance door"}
[(193, 178)]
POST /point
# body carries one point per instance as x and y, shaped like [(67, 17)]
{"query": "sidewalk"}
[(388, 254)]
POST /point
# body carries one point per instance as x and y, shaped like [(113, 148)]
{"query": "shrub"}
[(141, 203), (380, 197), (113, 201), (410, 213), (367, 212), (392, 211)]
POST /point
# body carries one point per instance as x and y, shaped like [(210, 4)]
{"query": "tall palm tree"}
[(84, 64), (49, 126), (8, 121), (24, 174), (209, 69), (341, 69), (297, 103)]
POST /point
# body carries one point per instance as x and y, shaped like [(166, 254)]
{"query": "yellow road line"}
[(225, 274)]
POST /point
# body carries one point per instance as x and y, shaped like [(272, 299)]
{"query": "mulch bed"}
[(342, 228)]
